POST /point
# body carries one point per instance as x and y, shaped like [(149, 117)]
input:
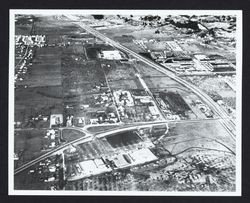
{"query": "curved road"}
[(44, 156), (89, 136), (226, 121)]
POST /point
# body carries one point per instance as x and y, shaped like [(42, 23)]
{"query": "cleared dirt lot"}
[(161, 82), (116, 70), (145, 70), (198, 134), (125, 84)]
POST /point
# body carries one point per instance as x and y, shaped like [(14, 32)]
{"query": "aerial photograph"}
[(124, 102)]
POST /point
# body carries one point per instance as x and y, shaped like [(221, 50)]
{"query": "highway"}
[(46, 155), (89, 136), (224, 119), (227, 122)]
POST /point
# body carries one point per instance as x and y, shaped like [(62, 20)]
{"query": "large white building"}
[(111, 55)]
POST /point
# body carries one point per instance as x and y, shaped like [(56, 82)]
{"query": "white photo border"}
[(13, 12)]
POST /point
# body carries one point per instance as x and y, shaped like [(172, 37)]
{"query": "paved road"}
[(46, 155), (89, 136), (28, 47), (227, 122)]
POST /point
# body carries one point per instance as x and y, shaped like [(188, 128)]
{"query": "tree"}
[(126, 20), (98, 17), (157, 32)]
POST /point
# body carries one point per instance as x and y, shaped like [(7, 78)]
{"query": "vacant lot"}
[(45, 69), (125, 84), (175, 101), (96, 129), (215, 87), (71, 134), (31, 102), (94, 149), (28, 144), (93, 51), (116, 70), (123, 139), (198, 134), (48, 25), (161, 82), (147, 71), (81, 76)]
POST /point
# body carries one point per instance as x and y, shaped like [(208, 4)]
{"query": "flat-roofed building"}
[(142, 156), (120, 161), (56, 119), (111, 55)]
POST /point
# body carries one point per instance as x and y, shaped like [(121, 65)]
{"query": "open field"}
[(71, 134), (49, 25), (199, 135), (139, 32), (191, 157), (123, 139), (96, 129), (67, 75), (84, 84), (162, 82), (23, 30), (28, 144), (115, 70), (125, 84), (217, 88), (45, 69), (147, 71), (31, 102), (95, 149)]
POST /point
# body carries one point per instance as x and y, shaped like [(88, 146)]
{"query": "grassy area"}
[(123, 139), (31, 102), (71, 134), (96, 129), (116, 70), (28, 144), (197, 134), (161, 82)]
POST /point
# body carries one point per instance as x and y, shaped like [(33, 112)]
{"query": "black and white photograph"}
[(125, 102)]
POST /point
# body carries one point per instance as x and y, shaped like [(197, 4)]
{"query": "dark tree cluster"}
[(98, 17), (189, 24), (151, 18)]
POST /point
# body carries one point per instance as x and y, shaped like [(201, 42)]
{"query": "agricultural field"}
[(108, 121), (123, 139), (116, 70), (28, 145)]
